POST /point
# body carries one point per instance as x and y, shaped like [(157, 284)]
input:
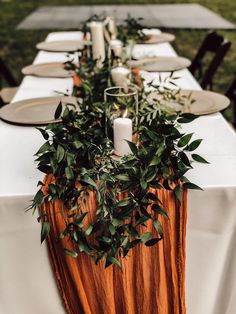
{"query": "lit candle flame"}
[(125, 113)]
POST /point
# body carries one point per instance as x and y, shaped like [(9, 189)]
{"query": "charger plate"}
[(198, 102), (160, 64), (35, 111), (158, 38), (61, 45), (52, 69)]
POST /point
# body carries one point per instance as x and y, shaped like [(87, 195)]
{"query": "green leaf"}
[(112, 260), (152, 241), (78, 220), (192, 146), (178, 193), (69, 173), (122, 177), (199, 159), (105, 239), (39, 197), (141, 220), (124, 202), (152, 197), (143, 184), (185, 140), (70, 252), (112, 229), (159, 210), (44, 148), (185, 159), (151, 176), (186, 118), (155, 161), (75, 235), (191, 186), (116, 222), (70, 159), (45, 229), (145, 236), (78, 144), (166, 185), (125, 242), (60, 153), (58, 111), (89, 230), (44, 133), (66, 113), (133, 148), (83, 247), (158, 227), (88, 180)]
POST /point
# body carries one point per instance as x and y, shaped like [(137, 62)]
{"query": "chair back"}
[(231, 93), (6, 74), (218, 46)]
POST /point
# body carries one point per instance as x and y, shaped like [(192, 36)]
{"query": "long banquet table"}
[(26, 281)]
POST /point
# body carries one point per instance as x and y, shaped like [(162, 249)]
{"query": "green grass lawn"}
[(17, 47)]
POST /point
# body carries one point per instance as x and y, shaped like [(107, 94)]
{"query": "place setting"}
[(160, 64), (61, 45), (53, 69)]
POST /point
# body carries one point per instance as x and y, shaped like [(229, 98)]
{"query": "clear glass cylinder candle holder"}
[(121, 102)]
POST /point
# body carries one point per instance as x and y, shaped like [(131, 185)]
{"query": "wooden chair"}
[(218, 46), (7, 93), (231, 93)]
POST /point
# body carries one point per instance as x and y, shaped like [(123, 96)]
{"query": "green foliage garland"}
[(78, 151)]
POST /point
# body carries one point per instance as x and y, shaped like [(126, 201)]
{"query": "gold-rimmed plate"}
[(61, 45), (198, 102), (157, 38), (36, 111), (52, 69), (160, 64)]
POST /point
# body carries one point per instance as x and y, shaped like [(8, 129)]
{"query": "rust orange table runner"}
[(152, 278)]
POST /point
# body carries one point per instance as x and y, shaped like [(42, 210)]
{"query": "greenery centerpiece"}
[(78, 152)]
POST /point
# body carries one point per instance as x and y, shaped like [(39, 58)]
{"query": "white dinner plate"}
[(160, 64), (61, 45), (198, 102), (35, 111), (158, 38), (52, 69)]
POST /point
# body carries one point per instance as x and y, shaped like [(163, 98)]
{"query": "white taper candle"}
[(98, 44)]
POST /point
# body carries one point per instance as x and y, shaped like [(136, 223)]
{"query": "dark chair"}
[(218, 46), (7, 93), (231, 93)]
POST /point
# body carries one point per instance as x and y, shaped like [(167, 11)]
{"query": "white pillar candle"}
[(98, 44), (117, 47), (122, 131), (119, 76)]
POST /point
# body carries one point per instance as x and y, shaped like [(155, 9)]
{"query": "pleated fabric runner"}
[(152, 279)]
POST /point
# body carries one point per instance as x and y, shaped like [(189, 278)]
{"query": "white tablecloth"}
[(26, 281)]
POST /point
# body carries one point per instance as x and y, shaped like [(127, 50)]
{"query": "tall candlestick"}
[(98, 44), (122, 131), (112, 28)]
